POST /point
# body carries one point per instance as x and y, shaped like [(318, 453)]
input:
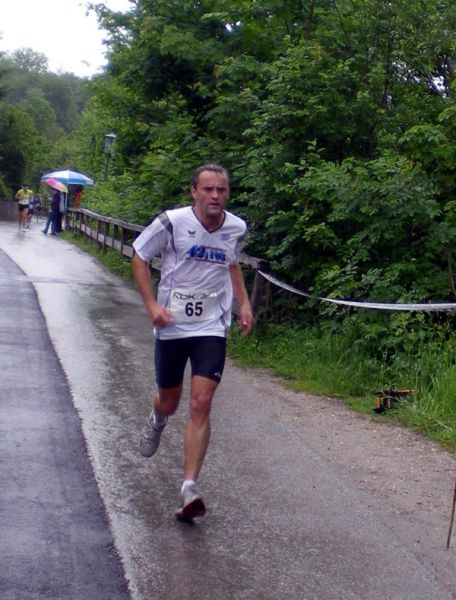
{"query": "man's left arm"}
[(242, 298)]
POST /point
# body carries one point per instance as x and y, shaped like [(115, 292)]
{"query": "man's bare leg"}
[(196, 441), (198, 428)]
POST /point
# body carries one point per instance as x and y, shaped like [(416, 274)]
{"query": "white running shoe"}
[(192, 505)]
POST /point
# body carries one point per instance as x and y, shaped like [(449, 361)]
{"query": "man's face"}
[(210, 195)]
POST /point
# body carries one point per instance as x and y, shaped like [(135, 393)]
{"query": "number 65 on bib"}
[(193, 305)]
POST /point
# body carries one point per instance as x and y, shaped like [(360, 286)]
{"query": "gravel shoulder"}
[(407, 478)]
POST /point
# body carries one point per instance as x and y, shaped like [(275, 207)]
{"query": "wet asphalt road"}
[(283, 522), (55, 535)]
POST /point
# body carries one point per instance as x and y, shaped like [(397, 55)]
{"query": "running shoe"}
[(192, 505), (150, 436)]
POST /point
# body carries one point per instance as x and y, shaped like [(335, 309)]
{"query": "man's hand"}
[(159, 315), (246, 319), (240, 293)]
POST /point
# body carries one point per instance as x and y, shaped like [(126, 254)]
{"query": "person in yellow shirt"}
[(23, 197)]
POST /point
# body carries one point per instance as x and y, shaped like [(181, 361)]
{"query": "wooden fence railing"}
[(118, 235), (8, 210)]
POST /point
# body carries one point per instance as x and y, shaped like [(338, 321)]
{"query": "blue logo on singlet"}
[(207, 254)]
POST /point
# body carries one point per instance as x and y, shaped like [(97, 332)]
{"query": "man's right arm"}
[(159, 315)]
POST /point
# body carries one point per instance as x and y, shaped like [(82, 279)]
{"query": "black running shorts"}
[(206, 354)]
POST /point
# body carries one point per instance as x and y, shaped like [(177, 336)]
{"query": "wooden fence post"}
[(258, 286), (115, 234), (105, 234)]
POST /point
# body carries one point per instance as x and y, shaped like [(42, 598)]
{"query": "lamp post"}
[(108, 141)]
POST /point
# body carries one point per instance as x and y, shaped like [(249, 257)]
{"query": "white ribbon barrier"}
[(440, 306)]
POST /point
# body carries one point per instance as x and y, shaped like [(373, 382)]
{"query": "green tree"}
[(26, 59), (18, 146), (38, 108)]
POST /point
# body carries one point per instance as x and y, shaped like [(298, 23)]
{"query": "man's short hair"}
[(210, 167)]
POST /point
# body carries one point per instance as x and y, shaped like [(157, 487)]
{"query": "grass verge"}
[(111, 259), (325, 364)]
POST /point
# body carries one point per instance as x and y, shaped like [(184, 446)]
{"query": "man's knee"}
[(200, 405), (167, 400)]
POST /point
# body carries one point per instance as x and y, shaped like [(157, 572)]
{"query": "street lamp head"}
[(108, 141)]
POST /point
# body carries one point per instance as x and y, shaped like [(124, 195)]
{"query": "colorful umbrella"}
[(55, 184), (69, 177)]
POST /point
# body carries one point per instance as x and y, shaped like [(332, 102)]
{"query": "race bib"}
[(193, 306)]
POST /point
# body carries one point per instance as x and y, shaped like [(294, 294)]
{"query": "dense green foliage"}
[(337, 122), (37, 110)]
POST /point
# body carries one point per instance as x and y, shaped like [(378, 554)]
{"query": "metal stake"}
[(451, 517)]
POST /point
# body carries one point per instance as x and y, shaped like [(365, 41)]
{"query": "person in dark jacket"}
[(53, 216)]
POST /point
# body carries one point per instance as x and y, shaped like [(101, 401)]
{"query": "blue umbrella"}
[(69, 177)]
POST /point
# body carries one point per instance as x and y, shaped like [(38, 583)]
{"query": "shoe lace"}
[(154, 428)]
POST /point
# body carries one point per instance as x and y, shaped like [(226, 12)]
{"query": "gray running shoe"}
[(192, 505), (150, 436)]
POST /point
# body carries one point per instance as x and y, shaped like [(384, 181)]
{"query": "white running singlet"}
[(194, 284)]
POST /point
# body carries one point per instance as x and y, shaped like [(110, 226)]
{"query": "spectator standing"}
[(77, 197), (62, 210), (53, 216)]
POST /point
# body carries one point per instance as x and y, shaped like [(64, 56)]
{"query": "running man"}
[(23, 197), (200, 247)]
